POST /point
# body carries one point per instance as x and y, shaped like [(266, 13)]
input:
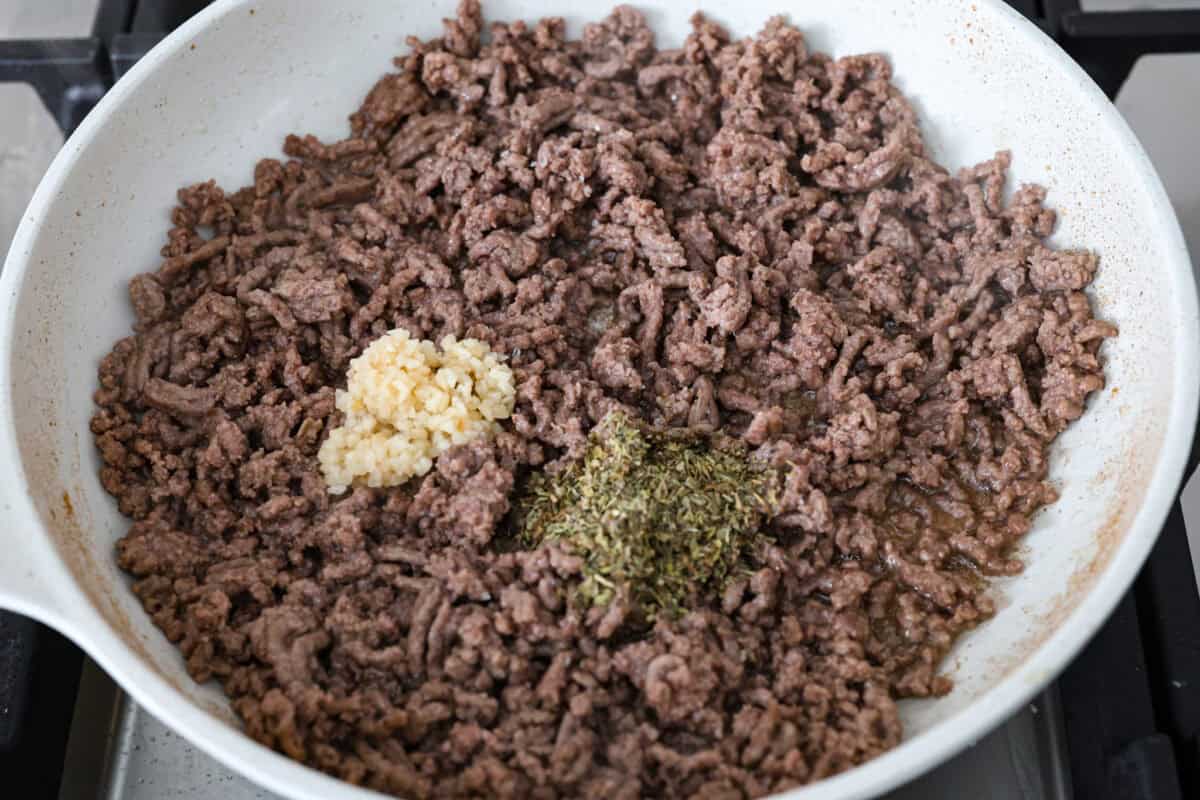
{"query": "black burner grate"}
[(1131, 700)]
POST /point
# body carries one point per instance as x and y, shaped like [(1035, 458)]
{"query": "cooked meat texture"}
[(742, 236)]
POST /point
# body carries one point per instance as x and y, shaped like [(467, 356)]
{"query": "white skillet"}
[(226, 87)]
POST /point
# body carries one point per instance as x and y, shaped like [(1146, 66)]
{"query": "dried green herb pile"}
[(662, 516)]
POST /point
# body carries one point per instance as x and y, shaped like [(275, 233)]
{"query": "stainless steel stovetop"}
[(117, 751)]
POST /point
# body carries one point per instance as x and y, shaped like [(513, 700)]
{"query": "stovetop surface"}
[(1106, 729)]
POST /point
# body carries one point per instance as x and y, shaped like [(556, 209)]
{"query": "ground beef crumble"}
[(734, 235)]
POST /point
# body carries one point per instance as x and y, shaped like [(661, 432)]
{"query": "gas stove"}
[(1123, 721)]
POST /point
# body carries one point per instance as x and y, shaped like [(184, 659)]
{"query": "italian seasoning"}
[(657, 516)]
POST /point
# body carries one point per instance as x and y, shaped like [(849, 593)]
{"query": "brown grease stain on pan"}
[(1044, 622), (71, 537), (76, 548), (80, 552)]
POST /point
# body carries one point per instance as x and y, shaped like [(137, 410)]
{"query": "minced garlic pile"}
[(406, 402)]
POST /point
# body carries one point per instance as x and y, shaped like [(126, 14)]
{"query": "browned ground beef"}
[(742, 236)]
